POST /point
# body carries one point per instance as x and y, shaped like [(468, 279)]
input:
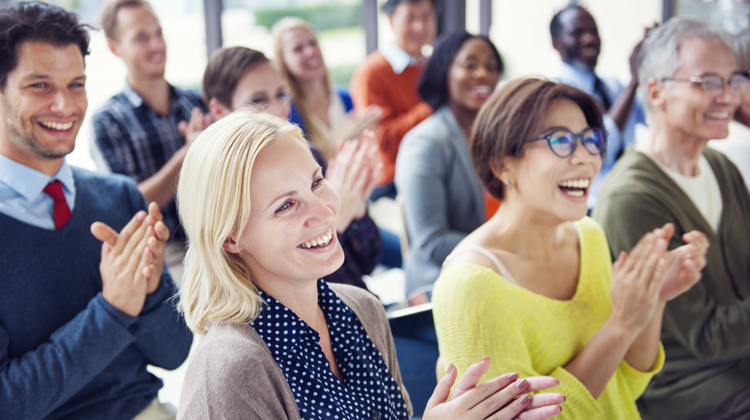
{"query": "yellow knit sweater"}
[(478, 313)]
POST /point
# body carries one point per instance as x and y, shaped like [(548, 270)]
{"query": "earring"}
[(509, 184)]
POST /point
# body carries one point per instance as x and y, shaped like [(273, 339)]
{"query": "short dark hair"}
[(513, 114), (555, 26), (224, 70), (37, 22), (433, 83), (390, 6)]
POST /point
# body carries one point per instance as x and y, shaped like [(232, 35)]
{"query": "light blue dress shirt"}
[(617, 140), (22, 196)]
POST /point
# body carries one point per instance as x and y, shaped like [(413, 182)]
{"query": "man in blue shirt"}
[(79, 319), (576, 37)]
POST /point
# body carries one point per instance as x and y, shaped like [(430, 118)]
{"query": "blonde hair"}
[(314, 133), (213, 198)]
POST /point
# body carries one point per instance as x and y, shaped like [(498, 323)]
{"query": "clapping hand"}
[(353, 174), (354, 125), (132, 261), (494, 399), (193, 128), (684, 264)]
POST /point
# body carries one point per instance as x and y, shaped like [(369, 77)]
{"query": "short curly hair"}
[(37, 22)]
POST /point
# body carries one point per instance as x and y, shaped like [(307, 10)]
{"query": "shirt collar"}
[(581, 78), (285, 323), (135, 99), (397, 58), (29, 182), (132, 96)]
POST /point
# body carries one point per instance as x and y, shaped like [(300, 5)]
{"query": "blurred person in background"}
[(323, 112), (693, 88), (80, 320), (737, 145), (576, 37), (136, 132), (388, 78), (443, 200), (238, 77)]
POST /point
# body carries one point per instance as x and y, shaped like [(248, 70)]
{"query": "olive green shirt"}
[(706, 330)]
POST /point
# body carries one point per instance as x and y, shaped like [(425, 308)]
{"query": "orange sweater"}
[(375, 83)]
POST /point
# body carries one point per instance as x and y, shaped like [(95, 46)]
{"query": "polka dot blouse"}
[(368, 390)]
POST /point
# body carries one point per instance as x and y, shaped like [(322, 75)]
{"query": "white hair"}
[(660, 54), (213, 198)]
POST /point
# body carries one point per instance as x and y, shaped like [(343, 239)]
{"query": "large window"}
[(733, 15)]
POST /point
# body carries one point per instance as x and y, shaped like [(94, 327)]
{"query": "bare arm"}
[(629, 332)]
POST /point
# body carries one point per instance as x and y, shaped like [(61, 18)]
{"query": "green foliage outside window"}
[(320, 17)]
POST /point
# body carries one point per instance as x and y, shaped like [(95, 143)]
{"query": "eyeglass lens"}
[(714, 84), (562, 142)]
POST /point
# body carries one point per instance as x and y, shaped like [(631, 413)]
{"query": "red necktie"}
[(60, 209)]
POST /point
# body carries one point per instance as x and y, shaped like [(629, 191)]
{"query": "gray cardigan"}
[(233, 375), (443, 200)]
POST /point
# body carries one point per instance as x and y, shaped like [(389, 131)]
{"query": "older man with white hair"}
[(692, 88)]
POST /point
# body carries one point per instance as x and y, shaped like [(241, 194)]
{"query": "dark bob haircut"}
[(433, 83), (37, 22), (513, 114)]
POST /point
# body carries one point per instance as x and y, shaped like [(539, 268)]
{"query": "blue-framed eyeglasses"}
[(563, 142)]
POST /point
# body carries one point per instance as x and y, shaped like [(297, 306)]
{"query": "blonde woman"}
[(323, 112), (280, 343)]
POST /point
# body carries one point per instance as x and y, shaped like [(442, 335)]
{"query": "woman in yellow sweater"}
[(534, 287)]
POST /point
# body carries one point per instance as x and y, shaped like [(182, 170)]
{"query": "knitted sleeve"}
[(35, 384)]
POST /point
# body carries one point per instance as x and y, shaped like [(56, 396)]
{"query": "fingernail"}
[(512, 377), (450, 369), (524, 401), (486, 359), (565, 398), (522, 384), (140, 215)]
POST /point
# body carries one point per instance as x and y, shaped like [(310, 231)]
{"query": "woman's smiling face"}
[(548, 183), (291, 232)]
